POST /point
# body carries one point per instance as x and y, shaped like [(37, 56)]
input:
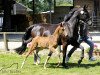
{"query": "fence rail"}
[(7, 37), (10, 36), (95, 24)]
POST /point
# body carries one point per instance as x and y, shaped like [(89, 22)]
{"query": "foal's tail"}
[(25, 40)]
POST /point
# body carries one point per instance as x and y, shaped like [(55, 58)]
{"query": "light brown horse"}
[(49, 42)]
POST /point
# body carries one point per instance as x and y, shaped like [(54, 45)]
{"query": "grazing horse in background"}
[(71, 26), (49, 42)]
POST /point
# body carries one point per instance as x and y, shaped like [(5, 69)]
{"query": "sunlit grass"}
[(86, 67)]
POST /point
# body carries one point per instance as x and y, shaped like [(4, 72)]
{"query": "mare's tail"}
[(20, 50), (25, 40)]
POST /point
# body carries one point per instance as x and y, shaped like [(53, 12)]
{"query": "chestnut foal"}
[(49, 42)]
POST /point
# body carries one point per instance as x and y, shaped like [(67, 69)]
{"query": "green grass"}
[(86, 68)]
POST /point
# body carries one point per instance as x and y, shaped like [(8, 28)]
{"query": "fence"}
[(1, 22), (12, 37), (95, 24)]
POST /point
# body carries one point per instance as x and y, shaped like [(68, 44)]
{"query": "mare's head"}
[(83, 14), (72, 25)]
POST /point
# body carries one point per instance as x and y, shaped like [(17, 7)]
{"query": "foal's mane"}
[(56, 32)]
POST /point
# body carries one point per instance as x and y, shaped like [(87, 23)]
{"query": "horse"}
[(49, 42), (71, 24), (33, 31), (84, 17), (81, 47), (72, 38)]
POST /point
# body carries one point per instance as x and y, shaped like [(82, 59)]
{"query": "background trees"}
[(39, 5)]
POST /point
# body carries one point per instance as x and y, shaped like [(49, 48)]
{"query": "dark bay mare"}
[(71, 26), (74, 41), (80, 15)]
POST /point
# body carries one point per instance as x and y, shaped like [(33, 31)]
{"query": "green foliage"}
[(64, 2), (40, 5)]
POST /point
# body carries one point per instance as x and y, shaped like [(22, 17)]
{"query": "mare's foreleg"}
[(82, 55), (64, 54), (70, 53)]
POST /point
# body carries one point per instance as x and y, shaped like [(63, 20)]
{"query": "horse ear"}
[(85, 6), (61, 24)]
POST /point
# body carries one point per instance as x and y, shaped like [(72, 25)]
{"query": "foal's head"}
[(60, 29)]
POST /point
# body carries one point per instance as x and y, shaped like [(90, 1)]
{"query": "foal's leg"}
[(26, 58), (82, 55), (29, 52), (58, 54), (48, 57), (59, 49)]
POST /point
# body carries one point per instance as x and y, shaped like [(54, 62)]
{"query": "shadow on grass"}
[(71, 65)]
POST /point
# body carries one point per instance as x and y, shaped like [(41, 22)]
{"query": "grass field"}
[(86, 68)]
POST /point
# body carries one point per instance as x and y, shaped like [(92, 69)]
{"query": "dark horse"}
[(71, 27), (73, 38)]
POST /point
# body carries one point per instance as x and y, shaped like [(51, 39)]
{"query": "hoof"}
[(36, 63), (65, 66), (45, 68), (78, 65), (58, 65), (79, 62)]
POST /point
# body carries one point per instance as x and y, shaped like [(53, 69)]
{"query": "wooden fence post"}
[(5, 41)]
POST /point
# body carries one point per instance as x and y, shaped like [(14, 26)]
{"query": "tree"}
[(38, 5), (7, 16)]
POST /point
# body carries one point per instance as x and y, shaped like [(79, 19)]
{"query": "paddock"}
[(10, 65)]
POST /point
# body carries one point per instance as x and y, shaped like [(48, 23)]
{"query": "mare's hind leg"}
[(36, 57), (82, 55)]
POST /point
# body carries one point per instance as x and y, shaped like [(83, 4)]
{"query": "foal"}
[(49, 42)]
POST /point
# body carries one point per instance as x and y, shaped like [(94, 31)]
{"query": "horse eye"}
[(63, 29)]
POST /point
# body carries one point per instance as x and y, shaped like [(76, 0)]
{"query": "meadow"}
[(10, 65)]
